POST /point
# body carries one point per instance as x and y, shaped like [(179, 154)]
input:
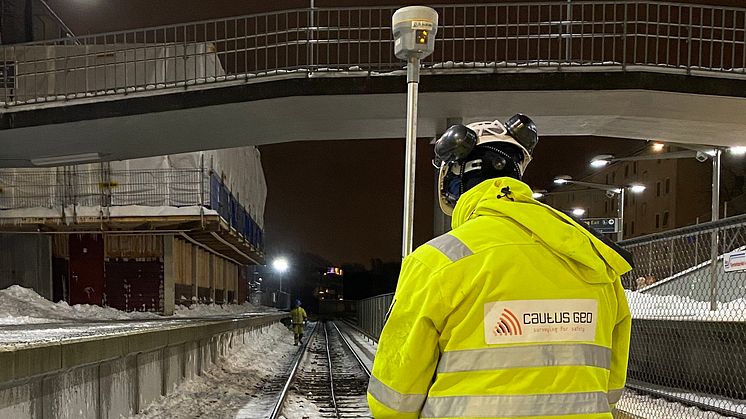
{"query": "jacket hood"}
[(511, 198)]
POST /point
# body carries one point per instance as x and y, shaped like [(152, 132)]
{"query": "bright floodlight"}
[(601, 161), (658, 146), (538, 195), (637, 188), (561, 180), (578, 212), (738, 150), (280, 265)]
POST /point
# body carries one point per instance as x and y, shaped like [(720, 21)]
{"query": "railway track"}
[(328, 373)]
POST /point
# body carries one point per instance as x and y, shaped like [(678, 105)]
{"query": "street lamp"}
[(610, 189), (280, 265)]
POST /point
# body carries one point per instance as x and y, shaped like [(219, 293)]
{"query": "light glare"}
[(738, 150), (599, 163), (280, 265), (578, 212)]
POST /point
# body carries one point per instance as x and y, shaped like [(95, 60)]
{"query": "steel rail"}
[(349, 346), (277, 409), (331, 372)]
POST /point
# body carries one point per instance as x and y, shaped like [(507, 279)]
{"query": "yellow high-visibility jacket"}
[(298, 315), (517, 312)]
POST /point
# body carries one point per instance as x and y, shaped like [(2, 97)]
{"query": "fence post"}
[(715, 216), (714, 271), (202, 189), (670, 262)]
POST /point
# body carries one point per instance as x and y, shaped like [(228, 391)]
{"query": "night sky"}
[(342, 200)]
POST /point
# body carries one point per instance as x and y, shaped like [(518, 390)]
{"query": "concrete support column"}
[(194, 251), (224, 272), (211, 271), (169, 275)]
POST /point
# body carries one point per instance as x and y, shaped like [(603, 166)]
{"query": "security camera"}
[(701, 157), (610, 194), (414, 29)]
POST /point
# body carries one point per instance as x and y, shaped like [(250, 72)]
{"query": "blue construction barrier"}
[(228, 207)]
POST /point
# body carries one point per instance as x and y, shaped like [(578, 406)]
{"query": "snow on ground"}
[(646, 407), (222, 390), (674, 307), (19, 305), (299, 407), (207, 310)]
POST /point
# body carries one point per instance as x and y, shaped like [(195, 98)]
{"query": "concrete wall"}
[(26, 260), (114, 376)]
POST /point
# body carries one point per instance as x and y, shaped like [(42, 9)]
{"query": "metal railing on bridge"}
[(544, 36)]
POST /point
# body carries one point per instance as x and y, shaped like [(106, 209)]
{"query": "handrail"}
[(600, 35)]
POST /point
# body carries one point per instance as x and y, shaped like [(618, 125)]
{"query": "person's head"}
[(466, 155), (297, 303)]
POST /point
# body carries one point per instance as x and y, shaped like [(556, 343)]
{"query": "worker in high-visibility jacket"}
[(298, 317), (518, 312)]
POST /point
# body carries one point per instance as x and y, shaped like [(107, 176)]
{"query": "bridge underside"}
[(634, 105)]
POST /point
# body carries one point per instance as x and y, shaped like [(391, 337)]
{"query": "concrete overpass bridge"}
[(630, 69)]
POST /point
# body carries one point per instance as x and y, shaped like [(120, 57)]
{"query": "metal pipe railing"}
[(668, 36)]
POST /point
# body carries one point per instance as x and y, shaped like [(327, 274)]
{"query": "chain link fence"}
[(687, 294)]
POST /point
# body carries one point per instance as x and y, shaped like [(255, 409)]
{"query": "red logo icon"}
[(508, 325)]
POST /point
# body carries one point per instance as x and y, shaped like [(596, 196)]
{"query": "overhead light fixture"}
[(738, 150), (599, 163), (657, 147), (578, 212), (601, 160), (68, 159), (561, 180), (637, 188), (538, 195)]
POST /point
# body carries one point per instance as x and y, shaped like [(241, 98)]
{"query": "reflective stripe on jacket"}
[(517, 312)]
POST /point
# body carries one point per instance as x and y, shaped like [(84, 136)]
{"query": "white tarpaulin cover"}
[(43, 71), (165, 181)]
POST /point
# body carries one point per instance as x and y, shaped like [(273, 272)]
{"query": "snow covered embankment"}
[(236, 380), (674, 307), (19, 305)]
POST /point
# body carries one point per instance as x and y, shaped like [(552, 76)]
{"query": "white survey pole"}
[(620, 234), (410, 153), (414, 30)]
